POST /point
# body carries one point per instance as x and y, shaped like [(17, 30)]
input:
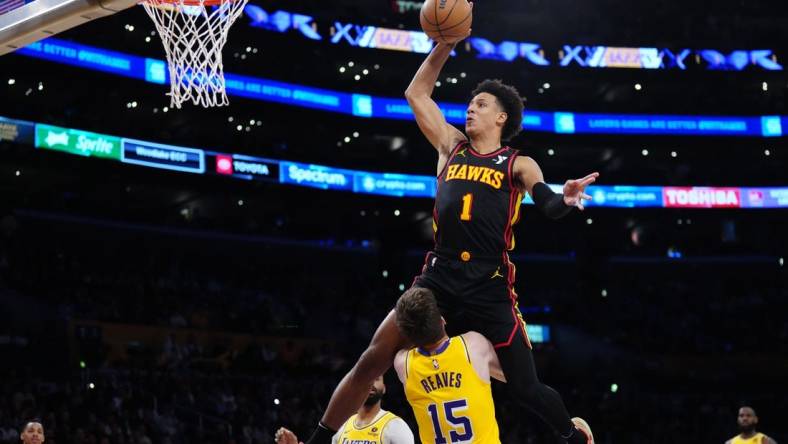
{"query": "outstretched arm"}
[(428, 115), (530, 178)]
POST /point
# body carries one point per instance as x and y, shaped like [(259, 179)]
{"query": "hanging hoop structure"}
[(194, 33)]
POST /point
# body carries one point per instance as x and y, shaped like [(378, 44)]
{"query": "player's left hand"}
[(575, 191), (285, 436)]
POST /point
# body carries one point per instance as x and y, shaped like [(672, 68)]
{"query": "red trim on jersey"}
[(515, 153), (435, 221), (519, 322), (507, 233), (452, 153), (423, 269), (478, 154)]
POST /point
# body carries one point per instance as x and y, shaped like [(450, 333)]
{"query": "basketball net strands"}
[(194, 33)]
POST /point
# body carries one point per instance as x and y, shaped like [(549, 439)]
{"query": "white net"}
[(193, 35)]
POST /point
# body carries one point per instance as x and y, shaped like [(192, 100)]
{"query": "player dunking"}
[(480, 186)]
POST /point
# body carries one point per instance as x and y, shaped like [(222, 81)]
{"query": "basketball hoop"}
[(193, 33)]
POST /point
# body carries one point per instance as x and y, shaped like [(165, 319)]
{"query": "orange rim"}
[(187, 2)]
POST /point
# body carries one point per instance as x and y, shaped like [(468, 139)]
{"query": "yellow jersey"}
[(371, 433), (451, 403), (757, 439)]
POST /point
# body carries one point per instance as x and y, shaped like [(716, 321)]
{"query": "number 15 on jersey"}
[(459, 426)]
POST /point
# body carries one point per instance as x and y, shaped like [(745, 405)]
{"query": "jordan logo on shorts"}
[(497, 274)]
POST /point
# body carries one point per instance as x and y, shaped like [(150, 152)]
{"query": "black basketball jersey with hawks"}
[(477, 203)]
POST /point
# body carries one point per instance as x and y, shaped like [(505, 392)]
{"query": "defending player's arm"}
[(554, 205), (496, 372), (428, 116), (399, 365), (767, 440), (483, 357)]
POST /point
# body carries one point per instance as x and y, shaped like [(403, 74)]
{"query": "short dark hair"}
[(33, 421), (418, 317), (509, 99)]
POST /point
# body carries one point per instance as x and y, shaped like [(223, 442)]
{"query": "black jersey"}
[(477, 203)]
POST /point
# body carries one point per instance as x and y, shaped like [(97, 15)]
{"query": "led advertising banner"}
[(362, 105), (167, 157), (765, 126), (624, 196), (764, 197), (82, 143), (18, 131), (538, 333), (532, 53), (316, 176), (701, 197), (390, 184), (198, 161), (243, 167)]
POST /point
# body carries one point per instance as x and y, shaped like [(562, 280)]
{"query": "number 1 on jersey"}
[(467, 204)]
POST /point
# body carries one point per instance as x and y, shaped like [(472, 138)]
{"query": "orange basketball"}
[(446, 21)]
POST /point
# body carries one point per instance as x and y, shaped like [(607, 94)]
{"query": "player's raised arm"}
[(428, 116)]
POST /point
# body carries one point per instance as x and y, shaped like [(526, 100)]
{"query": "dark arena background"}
[(208, 275)]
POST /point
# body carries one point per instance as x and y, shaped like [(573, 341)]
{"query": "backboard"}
[(23, 22)]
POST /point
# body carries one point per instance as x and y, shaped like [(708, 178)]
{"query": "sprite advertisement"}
[(82, 143)]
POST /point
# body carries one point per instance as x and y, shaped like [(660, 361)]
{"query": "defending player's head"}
[(495, 107), (418, 317), (376, 392), (33, 433), (747, 419)]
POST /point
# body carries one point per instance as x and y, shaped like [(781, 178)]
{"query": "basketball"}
[(446, 21)]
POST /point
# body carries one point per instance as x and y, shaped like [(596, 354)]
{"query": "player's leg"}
[(354, 387), (522, 382), (493, 313)]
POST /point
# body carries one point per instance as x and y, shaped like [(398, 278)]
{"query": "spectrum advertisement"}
[(199, 161), (362, 105)]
